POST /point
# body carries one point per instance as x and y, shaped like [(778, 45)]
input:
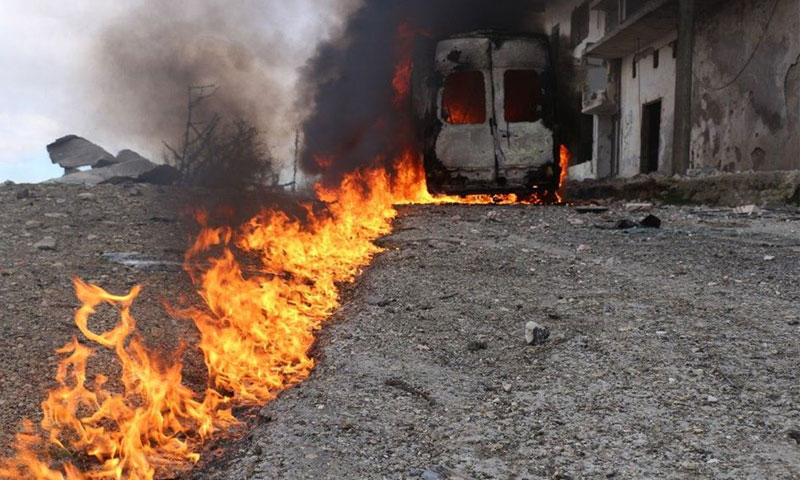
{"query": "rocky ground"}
[(673, 352)]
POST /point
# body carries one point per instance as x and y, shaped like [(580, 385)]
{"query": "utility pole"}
[(296, 159), (682, 139)]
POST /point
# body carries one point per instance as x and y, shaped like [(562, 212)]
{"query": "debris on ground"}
[(73, 153), (591, 209), (536, 334), (650, 221)]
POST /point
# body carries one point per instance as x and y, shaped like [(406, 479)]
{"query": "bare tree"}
[(222, 154)]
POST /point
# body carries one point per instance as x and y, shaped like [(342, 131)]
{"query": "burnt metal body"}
[(502, 150)]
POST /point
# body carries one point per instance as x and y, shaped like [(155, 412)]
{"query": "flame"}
[(404, 66), (256, 330), (256, 333), (564, 159)]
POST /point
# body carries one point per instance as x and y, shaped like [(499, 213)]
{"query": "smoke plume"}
[(251, 49), (354, 118)]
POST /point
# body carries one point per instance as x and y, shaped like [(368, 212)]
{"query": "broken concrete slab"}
[(72, 152), (139, 170)]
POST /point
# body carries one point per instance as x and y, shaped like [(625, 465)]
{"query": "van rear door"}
[(519, 69), (465, 144)]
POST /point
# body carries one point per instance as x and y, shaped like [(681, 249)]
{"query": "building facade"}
[(622, 58)]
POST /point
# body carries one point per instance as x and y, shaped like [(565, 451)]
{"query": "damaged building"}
[(675, 86)]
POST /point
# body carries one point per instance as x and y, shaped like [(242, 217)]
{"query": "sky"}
[(45, 51)]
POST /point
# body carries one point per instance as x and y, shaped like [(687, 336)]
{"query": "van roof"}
[(499, 35)]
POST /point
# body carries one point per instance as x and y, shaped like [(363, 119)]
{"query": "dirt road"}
[(673, 353)]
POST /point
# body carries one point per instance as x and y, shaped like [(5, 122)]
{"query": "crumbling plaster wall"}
[(747, 110), (650, 85)]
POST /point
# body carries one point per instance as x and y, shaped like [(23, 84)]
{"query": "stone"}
[(138, 169), (591, 209), (134, 192), (128, 155), (536, 334), (87, 196), (72, 152), (477, 345), (33, 224), (23, 194), (650, 221), (46, 244), (794, 435), (431, 475), (638, 207), (625, 224), (376, 301)]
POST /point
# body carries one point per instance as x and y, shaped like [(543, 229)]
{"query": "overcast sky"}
[(44, 50)]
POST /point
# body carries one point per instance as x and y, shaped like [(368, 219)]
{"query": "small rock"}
[(33, 224), (134, 192), (794, 435), (506, 387), (625, 224), (651, 221), (57, 265), (91, 237), (638, 207), (431, 475), (583, 248), (712, 399), (477, 345), (87, 196), (376, 301), (23, 194), (47, 243), (536, 334), (746, 210), (591, 209), (769, 258)]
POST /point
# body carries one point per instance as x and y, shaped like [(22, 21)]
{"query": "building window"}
[(523, 96), (464, 98), (580, 24)]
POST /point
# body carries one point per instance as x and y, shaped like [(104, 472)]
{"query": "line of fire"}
[(517, 239)]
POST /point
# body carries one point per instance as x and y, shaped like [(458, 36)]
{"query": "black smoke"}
[(349, 80)]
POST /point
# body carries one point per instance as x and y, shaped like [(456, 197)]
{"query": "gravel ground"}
[(37, 299), (673, 353)]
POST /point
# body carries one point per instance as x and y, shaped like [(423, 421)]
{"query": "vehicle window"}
[(523, 96), (464, 99)]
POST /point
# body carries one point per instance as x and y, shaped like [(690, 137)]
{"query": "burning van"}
[(487, 115)]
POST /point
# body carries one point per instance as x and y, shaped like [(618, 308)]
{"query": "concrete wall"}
[(650, 84), (747, 115)]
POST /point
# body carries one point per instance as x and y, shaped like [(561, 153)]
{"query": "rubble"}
[(73, 152), (536, 334), (47, 244), (650, 221)]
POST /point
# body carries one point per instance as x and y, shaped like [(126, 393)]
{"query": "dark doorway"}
[(651, 135)]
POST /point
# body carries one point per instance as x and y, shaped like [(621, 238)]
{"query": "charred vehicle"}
[(485, 105)]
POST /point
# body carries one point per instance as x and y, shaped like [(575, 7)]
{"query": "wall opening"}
[(464, 98), (651, 136)]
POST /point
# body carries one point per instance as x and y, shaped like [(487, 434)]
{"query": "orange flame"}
[(255, 331), (564, 159), (401, 82)]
